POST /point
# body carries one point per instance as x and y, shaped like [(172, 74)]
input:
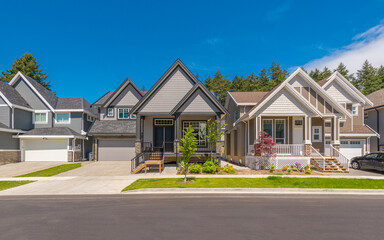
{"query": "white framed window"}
[(110, 112), (199, 127), (63, 118), (123, 113), (317, 134), (40, 118), (280, 131), (344, 142), (268, 126), (354, 110), (164, 122), (354, 142)]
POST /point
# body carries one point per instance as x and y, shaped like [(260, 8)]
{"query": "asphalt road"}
[(192, 217)]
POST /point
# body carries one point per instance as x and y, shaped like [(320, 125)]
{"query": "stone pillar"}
[(138, 147), (178, 130), (307, 149)]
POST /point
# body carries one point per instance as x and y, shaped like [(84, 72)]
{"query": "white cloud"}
[(367, 45)]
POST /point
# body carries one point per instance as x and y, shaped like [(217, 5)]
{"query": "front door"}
[(297, 133), (164, 137)]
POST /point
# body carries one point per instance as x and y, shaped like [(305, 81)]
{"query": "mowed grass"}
[(11, 184), (52, 171), (269, 182)]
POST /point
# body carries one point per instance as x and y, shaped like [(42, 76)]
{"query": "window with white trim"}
[(344, 142), (268, 126), (354, 142), (62, 118), (199, 127), (40, 117), (280, 131), (164, 122), (109, 112), (124, 113), (354, 110), (317, 133)]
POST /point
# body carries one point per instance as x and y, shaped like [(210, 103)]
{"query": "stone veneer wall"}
[(10, 156), (77, 156)]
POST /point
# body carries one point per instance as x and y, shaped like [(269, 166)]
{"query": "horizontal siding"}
[(199, 103), (75, 123), (8, 142), (129, 96), (338, 93)]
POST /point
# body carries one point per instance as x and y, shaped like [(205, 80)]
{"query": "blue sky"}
[(90, 47)]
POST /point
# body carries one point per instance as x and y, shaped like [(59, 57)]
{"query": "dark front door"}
[(164, 137)]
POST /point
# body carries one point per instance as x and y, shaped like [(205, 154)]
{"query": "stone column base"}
[(138, 147), (10, 156), (307, 149)]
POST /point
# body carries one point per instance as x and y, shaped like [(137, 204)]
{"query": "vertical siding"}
[(23, 119)]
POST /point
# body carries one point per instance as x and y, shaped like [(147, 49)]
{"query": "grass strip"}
[(52, 171), (11, 184), (269, 182)]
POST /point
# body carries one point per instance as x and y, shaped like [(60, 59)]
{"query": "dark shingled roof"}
[(12, 95), (103, 99), (113, 127), (61, 131), (3, 126), (47, 95), (73, 103), (377, 98)]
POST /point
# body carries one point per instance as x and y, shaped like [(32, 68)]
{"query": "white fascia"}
[(48, 137), (11, 130)]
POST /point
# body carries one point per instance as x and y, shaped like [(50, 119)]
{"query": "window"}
[(316, 134), (298, 122), (268, 127), (164, 122), (90, 118), (365, 115), (124, 113), (354, 142), (234, 116), (354, 111), (110, 112), (40, 118), (371, 156), (199, 128), (62, 118), (327, 124), (343, 142), (280, 131)]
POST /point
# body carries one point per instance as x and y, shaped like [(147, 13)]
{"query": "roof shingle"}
[(13, 95), (113, 127), (248, 97)]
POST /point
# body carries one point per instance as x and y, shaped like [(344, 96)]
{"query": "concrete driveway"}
[(20, 168), (107, 168)]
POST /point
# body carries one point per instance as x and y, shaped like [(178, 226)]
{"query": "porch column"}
[(336, 134), (256, 128), (307, 136), (178, 131), (138, 135), (218, 143)]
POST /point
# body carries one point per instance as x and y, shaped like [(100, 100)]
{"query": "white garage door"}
[(352, 148), (45, 150), (116, 150)]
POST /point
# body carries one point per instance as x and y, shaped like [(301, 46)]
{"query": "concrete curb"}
[(306, 191)]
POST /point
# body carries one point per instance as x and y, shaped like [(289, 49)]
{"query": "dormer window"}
[(124, 113), (110, 112)]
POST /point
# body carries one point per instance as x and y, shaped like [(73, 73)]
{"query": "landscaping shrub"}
[(209, 167), (295, 169), (229, 169), (307, 167), (195, 168), (272, 169), (307, 171), (285, 168)]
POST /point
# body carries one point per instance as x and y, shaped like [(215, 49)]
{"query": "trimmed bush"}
[(272, 169), (195, 168), (307, 171), (285, 168), (229, 169), (209, 167)]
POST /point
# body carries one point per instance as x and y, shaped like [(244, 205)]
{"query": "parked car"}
[(374, 161)]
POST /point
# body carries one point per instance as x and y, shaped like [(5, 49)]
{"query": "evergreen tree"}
[(27, 65), (237, 84), (315, 75), (208, 83), (380, 76), (325, 73), (262, 83), (276, 74), (219, 86), (250, 83), (342, 69), (305, 70), (197, 75), (367, 79)]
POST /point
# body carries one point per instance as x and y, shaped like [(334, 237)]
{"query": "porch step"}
[(331, 165), (138, 169)]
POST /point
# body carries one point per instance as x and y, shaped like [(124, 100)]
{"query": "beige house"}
[(322, 123)]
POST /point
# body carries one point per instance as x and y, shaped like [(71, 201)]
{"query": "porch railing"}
[(318, 158), (289, 149), (343, 160)]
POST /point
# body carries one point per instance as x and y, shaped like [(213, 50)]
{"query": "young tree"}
[(215, 133), (188, 149), (276, 74), (264, 147), (29, 66)]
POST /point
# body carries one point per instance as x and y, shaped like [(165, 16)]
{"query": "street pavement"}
[(191, 217)]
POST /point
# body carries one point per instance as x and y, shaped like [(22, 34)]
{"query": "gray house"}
[(374, 118), (36, 125)]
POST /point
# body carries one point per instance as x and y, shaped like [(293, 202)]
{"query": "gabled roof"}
[(153, 89), (12, 96), (116, 93), (103, 99), (377, 98), (200, 86), (113, 127), (336, 76), (243, 98), (73, 103)]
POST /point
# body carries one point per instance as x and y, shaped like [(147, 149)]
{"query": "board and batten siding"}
[(128, 97), (5, 115), (23, 119), (169, 94), (199, 103)]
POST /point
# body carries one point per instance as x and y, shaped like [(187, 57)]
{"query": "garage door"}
[(45, 150), (352, 148), (116, 150)]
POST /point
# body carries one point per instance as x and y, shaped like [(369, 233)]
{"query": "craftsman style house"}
[(320, 122), (36, 125), (374, 118)]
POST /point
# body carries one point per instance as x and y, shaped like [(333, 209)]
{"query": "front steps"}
[(331, 165)]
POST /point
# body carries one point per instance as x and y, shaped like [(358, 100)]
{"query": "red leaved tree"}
[(264, 148)]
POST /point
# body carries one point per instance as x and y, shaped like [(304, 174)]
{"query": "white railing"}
[(319, 159), (289, 149), (343, 160)]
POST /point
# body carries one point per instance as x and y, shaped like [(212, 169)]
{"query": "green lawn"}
[(270, 182), (52, 171), (11, 184)]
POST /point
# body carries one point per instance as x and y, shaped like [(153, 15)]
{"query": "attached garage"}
[(352, 147), (116, 149), (45, 150)]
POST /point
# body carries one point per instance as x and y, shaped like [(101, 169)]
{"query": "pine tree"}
[(315, 75), (276, 74), (237, 84), (219, 86), (342, 69), (325, 73), (367, 79), (29, 66), (250, 83), (262, 83), (197, 75), (208, 83), (380, 76)]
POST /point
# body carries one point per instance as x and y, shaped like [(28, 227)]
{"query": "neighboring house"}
[(115, 131), (305, 118), (374, 117), (36, 125)]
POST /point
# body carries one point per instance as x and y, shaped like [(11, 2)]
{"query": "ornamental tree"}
[(264, 147), (188, 149), (215, 133)]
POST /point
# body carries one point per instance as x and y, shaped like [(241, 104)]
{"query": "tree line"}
[(368, 79)]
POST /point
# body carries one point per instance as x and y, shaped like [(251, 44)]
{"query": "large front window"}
[(40, 117), (280, 131), (268, 127), (62, 117), (199, 128), (124, 113)]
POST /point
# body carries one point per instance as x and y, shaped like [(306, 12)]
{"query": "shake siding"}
[(199, 103), (129, 96), (338, 93), (27, 93), (23, 119), (169, 94), (298, 81), (5, 115)]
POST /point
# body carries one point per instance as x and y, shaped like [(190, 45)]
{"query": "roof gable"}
[(103, 99), (126, 87), (11, 96)]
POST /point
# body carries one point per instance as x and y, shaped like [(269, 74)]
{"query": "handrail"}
[(289, 149), (321, 156), (343, 160)]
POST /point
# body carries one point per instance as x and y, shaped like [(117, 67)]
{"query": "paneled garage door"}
[(45, 150), (116, 150), (352, 148)]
